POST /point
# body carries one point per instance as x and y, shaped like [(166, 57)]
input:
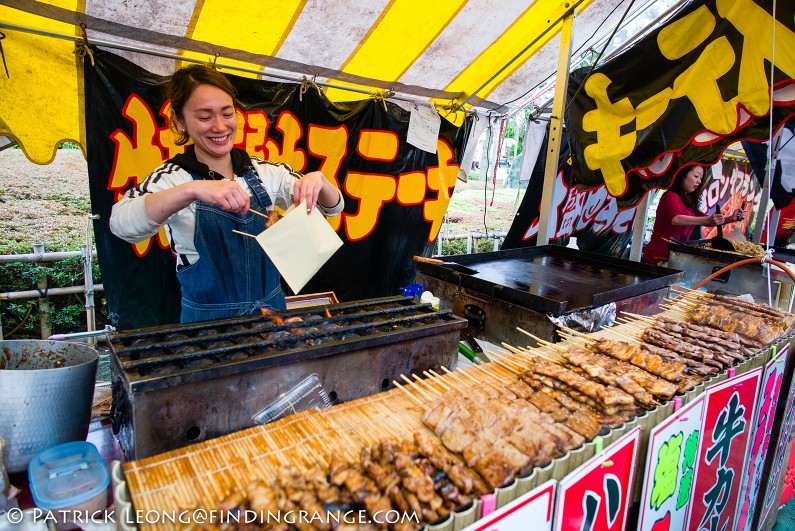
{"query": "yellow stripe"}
[(401, 36), (255, 26), (523, 31), (41, 100), (405, 29)]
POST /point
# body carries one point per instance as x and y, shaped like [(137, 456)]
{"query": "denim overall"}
[(233, 275)]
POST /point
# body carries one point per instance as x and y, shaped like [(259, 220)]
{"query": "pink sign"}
[(595, 497), (760, 438), (726, 431)]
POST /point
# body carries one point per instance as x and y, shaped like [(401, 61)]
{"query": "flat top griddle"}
[(550, 278)]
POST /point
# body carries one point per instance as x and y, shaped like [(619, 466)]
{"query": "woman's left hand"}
[(308, 187)]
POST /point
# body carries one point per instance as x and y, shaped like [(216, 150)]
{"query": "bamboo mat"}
[(203, 474)]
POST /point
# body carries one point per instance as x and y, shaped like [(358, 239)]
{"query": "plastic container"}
[(308, 394), (429, 298), (71, 480)]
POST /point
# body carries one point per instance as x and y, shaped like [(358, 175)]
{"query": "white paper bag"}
[(299, 244)]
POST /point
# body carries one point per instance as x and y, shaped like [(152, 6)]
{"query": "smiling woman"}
[(208, 193)]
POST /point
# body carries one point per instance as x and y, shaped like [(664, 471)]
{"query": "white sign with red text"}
[(536, 506)]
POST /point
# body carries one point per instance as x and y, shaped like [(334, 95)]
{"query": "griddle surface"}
[(556, 278), (553, 279)]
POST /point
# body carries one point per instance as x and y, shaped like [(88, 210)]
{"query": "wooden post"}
[(555, 131), (44, 304)]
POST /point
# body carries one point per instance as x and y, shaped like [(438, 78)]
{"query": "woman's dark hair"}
[(691, 200), (182, 84)]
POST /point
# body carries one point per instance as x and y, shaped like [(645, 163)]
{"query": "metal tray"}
[(552, 279)]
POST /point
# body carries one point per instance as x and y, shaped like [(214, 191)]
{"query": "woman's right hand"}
[(226, 194), (717, 219)]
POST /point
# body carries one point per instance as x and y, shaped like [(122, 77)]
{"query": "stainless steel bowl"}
[(46, 391)]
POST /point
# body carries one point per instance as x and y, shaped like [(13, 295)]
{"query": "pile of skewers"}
[(496, 422)]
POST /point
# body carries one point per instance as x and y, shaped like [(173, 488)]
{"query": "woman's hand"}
[(226, 194), (308, 187), (716, 219), (738, 215)]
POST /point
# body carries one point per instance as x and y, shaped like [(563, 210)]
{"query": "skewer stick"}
[(512, 366), (425, 384), (433, 376), (258, 213), (640, 317), (620, 335), (244, 233), (577, 341), (454, 376), (417, 387), (493, 371), (540, 341), (503, 360), (580, 335), (407, 393)]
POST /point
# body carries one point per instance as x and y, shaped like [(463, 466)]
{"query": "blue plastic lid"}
[(67, 475)]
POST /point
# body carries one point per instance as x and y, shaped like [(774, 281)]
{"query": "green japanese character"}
[(687, 470), (666, 471)]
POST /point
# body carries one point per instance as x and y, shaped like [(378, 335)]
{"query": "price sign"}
[(595, 497), (726, 429), (769, 500), (760, 438), (671, 468), (535, 506)]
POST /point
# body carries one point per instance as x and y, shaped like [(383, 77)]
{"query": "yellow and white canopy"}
[(485, 53)]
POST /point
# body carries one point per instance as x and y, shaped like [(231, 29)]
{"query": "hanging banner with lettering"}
[(535, 506), (760, 439), (592, 216), (670, 469), (725, 433), (733, 187), (682, 95), (396, 195), (769, 497), (595, 497)]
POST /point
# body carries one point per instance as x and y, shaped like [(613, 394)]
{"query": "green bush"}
[(21, 317), (482, 245)]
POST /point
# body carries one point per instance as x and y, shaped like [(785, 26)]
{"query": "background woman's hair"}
[(691, 200), (182, 84)]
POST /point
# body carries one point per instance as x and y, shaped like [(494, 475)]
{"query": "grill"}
[(501, 290), (181, 384), (698, 261)]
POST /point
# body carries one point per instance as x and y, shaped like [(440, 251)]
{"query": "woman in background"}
[(678, 214), (201, 195)]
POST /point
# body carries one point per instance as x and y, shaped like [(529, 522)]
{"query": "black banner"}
[(592, 215), (682, 95), (395, 194)]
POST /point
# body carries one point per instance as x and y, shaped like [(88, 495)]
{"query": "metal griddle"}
[(521, 287), (553, 279), (698, 261)]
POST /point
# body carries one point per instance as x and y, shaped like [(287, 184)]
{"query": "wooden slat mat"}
[(201, 475)]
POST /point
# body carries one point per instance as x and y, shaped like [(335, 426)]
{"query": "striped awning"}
[(484, 54)]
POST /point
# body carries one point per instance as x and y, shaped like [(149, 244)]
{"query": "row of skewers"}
[(496, 422)]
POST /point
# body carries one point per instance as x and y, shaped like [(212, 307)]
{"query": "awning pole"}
[(639, 227), (555, 130)]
